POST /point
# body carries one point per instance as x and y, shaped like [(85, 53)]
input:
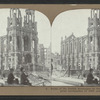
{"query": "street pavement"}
[(67, 80), (57, 83)]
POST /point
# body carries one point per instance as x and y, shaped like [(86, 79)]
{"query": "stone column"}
[(35, 53), (91, 13), (99, 13), (22, 42), (28, 18), (11, 52), (15, 47), (32, 52), (31, 18), (88, 50), (22, 49), (10, 12)]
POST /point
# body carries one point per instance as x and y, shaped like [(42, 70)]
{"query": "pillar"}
[(35, 54)]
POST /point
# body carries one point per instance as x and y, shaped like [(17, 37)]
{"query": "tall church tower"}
[(14, 46), (22, 40), (30, 40), (94, 39)]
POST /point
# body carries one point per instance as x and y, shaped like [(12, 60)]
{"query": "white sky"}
[(43, 25), (68, 22)]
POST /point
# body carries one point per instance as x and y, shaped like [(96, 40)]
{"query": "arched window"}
[(28, 58), (33, 44), (67, 48), (71, 47), (98, 40), (74, 45), (63, 48), (26, 40), (91, 39), (79, 46), (10, 38), (10, 23), (18, 42)]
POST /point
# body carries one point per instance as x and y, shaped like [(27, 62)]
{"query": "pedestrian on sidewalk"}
[(51, 66), (78, 74)]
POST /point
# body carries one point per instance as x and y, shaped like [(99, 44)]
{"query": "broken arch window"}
[(26, 43), (10, 38), (18, 42), (91, 38)]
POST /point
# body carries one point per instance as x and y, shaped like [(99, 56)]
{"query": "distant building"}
[(83, 53), (48, 57), (41, 58), (56, 61), (44, 57), (19, 47), (3, 51)]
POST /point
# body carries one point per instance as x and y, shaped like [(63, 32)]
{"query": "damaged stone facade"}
[(19, 47), (83, 53)]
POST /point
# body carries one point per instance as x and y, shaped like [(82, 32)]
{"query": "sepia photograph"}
[(25, 48), (34, 53), (76, 48)]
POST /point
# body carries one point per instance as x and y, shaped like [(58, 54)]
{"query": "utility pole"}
[(73, 55), (65, 52), (82, 57), (69, 62)]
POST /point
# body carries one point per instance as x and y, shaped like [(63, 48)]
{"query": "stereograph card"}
[(49, 49)]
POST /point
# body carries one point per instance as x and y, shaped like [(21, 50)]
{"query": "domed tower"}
[(94, 39), (14, 45)]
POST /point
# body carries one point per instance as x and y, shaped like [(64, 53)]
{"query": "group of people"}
[(23, 78), (90, 78)]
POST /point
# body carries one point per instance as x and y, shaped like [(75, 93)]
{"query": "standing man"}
[(51, 66), (69, 70)]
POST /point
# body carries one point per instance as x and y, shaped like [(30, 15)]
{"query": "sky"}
[(43, 25), (68, 22)]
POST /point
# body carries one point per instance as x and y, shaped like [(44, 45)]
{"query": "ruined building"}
[(19, 47), (83, 53)]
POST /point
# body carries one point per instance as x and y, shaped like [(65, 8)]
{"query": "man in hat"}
[(90, 78), (11, 77), (24, 77)]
